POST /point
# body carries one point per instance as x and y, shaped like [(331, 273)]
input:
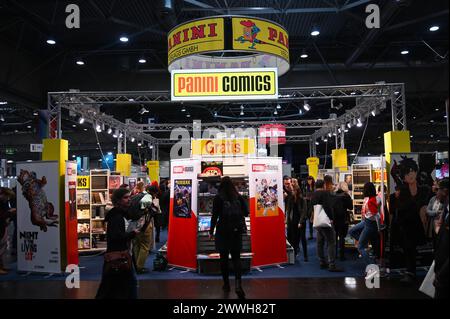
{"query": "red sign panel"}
[(272, 133)]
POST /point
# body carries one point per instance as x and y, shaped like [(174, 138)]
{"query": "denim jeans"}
[(365, 231)]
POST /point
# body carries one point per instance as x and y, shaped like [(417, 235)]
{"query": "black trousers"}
[(408, 243), (293, 235), (302, 238), (341, 233), (236, 258), (158, 223)]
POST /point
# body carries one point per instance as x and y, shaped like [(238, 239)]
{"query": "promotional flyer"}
[(71, 212), (182, 198), (38, 215)]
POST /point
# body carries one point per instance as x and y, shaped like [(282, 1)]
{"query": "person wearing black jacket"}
[(441, 267), (165, 204), (325, 234), (228, 218), (300, 211), (342, 204), (118, 286)]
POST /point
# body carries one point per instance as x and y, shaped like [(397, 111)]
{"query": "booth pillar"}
[(153, 170), (58, 150), (313, 166), (339, 159), (395, 142), (123, 164)]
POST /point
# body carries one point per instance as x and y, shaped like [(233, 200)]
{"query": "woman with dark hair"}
[(298, 228), (123, 285), (367, 229), (228, 213), (309, 190), (412, 199)]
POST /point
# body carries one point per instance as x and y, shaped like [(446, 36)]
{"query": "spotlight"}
[(359, 124), (276, 112), (278, 106), (188, 115), (215, 114), (315, 31), (183, 109), (98, 128), (304, 55), (51, 41), (325, 139), (142, 60), (120, 135), (132, 140), (150, 146), (80, 62), (404, 52), (329, 134), (109, 130), (242, 113), (300, 111), (143, 111), (139, 144), (434, 28), (317, 143), (2, 119), (373, 113), (306, 106), (349, 125), (123, 39), (81, 121)]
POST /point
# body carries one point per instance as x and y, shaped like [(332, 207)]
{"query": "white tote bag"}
[(320, 217), (427, 286)]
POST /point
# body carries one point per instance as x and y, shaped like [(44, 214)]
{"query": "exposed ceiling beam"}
[(410, 22)]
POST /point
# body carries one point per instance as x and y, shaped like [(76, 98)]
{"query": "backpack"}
[(233, 217), (160, 262), (135, 212)]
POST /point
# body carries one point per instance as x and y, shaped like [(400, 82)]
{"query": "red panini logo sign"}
[(178, 169), (258, 167)]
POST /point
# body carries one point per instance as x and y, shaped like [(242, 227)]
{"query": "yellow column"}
[(313, 166), (339, 159), (395, 142), (58, 150), (123, 164), (153, 170)]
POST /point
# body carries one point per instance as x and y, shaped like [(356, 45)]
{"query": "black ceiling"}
[(346, 52)]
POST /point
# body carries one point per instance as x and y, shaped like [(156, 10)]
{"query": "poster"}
[(266, 196), (182, 198), (418, 165), (114, 181), (212, 168), (38, 217), (71, 212), (132, 183)]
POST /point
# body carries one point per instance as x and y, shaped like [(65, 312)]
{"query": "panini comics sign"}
[(195, 37), (224, 84)]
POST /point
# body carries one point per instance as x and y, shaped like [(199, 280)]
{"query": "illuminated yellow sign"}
[(225, 84), (312, 161), (83, 182), (220, 147), (195, 37), (256, 35)]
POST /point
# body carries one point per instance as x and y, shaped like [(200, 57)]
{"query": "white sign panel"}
[(36, 148), (38, 217)]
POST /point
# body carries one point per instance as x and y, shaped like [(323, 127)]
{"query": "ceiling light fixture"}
[(317, 143), (349, 125), (434, 28), (242, 113), (276, 112), (123, 39), (300, 111), (315, 31), (98, 128), (51, 41), (404, 52), (373, 113), (2, 119), (304, 55), (278, 106), (81, 121), (120, 135), (142, 60), (73, 125), (80, 62), (306, 106), (188, 115), (132, 140), (109, 130), (359, 124), (143, 111)]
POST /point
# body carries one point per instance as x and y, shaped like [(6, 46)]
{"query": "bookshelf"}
[(361, 174), (99, 198)]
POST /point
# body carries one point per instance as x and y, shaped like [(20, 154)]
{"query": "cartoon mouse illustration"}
[(250, 33)]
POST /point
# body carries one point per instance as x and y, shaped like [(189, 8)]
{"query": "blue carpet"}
[(91, 268)]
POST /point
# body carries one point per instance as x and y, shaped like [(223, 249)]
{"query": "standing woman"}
[(343, 203), (228, 214), (121, 284), (309, 190), (301, 216)]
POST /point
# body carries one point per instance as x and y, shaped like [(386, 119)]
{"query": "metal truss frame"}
[(368, 97)]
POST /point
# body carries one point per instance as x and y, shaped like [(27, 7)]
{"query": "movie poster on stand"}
[(38, 217), (182, 198), (266, 196), (71, 212)]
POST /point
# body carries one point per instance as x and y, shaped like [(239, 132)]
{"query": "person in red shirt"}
[(367, 230)]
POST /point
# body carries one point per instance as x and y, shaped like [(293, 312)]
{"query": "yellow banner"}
[(225, 84), (195, 37), (312, 161), (153, 170), (220, 147), (83, 182), (250, 34)]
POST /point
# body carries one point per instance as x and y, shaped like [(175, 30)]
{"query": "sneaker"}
[(333, 268), (323, 265)]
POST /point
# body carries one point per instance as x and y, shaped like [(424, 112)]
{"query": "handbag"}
[(320, 217), (117, 262), (427, 286)]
